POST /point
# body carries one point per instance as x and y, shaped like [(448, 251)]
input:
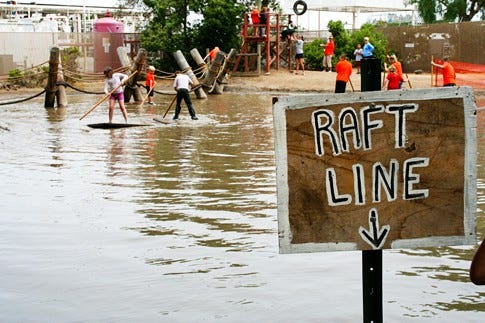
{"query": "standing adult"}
[(115, 81), (449, 76), (344, 70), (299, 61), (150, 83), (368, 49), (328, 53), (358, 57), (182, 84)]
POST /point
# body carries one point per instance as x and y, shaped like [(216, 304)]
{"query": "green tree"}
[(449, 10), (220, 26), (186, 24), (345, 43)]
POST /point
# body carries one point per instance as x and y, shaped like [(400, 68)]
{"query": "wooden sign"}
[(373, 170)]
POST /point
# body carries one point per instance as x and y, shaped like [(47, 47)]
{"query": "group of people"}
[(114, 83), (259, 18)]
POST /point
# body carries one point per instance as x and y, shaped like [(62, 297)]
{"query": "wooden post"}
[(197, 58), (228, 63), (185, 67), (61, 89), (123, 56), (213, 72), (55, 76), (131, 88)]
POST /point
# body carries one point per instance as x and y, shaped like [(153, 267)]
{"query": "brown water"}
[(177, 223)]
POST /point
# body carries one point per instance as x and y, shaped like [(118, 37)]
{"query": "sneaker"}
[(195, 118), (175, 118)]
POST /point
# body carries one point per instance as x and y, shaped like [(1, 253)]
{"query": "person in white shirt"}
[(182, 84), (115, 81)]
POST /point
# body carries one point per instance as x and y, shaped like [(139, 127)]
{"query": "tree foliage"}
[(345, 43), (449, 10)]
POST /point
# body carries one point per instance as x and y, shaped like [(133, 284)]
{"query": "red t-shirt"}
[(150, 79), (255, 16), (394, 80), (448, 74), (344, 70), (398, 67), (329, 48)]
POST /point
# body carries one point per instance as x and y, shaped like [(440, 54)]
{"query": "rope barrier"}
[(23, 100)]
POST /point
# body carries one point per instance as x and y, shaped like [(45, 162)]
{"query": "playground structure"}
[(263, 42)]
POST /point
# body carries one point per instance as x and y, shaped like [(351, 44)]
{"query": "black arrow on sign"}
[(375, 236)]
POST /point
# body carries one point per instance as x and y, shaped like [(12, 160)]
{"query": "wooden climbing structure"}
[(263, 42)]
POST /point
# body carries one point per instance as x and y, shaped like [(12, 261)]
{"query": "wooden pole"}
[(51, 88), (131, 86)]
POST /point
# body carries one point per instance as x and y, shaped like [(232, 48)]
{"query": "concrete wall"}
[(462, 42)]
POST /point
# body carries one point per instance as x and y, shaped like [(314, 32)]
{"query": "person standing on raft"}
[(111, 82), (150, 83), (182, 84)]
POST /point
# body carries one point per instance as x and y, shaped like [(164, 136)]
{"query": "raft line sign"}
[(376, 170)]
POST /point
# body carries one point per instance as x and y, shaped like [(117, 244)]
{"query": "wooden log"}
[(194, 52), (214, 69), (51, 88), (185, 67), (131, 88)]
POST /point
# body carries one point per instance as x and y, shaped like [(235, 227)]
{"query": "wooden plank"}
[(403, 159)]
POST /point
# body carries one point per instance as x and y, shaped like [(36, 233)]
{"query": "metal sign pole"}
[(372, 285), (372, 259)]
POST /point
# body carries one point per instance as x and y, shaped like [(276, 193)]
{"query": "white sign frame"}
[(283, 103)]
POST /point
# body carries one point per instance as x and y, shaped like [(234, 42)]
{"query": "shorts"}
[(117, 96), (150, 92), (357, 63), (297, 56)]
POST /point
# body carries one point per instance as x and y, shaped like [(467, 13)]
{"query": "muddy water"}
[(177, 223)]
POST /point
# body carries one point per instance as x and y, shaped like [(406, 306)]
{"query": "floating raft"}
[(107, 125)]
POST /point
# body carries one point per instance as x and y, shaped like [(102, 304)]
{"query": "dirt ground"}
[(313, 81)]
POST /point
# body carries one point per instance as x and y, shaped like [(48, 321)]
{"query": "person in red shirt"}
[(393, 80), (344, 70), (328, 52), (213, 53), (449, 76), (397, 65), (255, 20), (150, 83)]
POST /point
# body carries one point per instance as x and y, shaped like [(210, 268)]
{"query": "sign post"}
[(375, 170)]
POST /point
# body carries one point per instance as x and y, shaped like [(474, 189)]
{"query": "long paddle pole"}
[(106, 96), (170, 106), (146, 96), (409, 82), (351, 85)]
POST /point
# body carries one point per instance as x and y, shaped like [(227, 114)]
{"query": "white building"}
[(353, 13)]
